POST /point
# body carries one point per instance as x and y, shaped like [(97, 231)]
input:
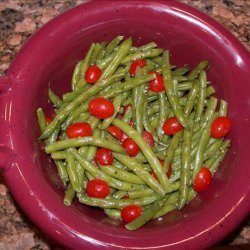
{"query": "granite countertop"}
[(18, 20)]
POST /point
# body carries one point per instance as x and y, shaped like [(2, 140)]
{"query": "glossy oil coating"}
[(191, 37)]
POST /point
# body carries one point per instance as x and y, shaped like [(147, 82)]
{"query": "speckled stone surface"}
[(18, 20)]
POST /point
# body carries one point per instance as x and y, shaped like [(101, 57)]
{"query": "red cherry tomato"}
[(156, 85), (171, 126), (125, 197), (135, 65), (104, 156), (221, 127), (116, 132), (127, 107), (202, 179), (79, 129), (131, 147), (97, 188), (101, 108), (48, 119), (131, 212), (148, 138), (92, 74)]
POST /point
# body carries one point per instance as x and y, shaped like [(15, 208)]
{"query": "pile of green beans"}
[(188, 96)]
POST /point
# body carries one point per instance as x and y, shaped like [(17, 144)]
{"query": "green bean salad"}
[(136, 136)]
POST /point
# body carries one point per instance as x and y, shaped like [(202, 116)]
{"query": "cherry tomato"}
[(148, 138), (131, 147), (101, 108), (116, 132), (125, 197), (202, 179), (97, 188), (156, 85), (92, 74), (79, 129), (135, 65), (104, 156), (221, 127), (48, 119), (127, 107), (171, 126), (131, 212)]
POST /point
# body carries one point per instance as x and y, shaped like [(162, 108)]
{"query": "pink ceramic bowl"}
[(49, 57)]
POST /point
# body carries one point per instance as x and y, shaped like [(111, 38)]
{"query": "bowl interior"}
[(190, 40)]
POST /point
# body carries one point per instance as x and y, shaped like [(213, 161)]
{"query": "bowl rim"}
[(14, 177)]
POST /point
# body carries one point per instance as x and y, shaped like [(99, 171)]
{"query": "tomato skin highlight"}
[(104, 156), (171, 126), (79, 129), (135, 65), (101, 108), (97, 188), (220, 127), (156, 85), (148, 138), (131, 147), (116, 132), (202, 180), (92, 74), (131, 212)]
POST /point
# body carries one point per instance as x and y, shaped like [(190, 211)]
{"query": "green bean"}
[(71, 169), (180, 71), (191, 99), (148, 153), (80, 174), (201, 96), (83, 141), (147, 46), (117, 58), (84, 65), (139, 109), (113, 213), (95, 172), (223, 108), (169, 87), (69, 195), (162, 113), (210, 90), (56, 101), (171, 205), (117, 104), (54, 136), (185, 168), (140, 193), (171, 149), (126, 86), (184, 86), (196, 71), (92, 149), (41, 119), (145, 119), (146, 216), (121, 174), (113, 44), (101, 53), (119, 194), (76, 74), (62, 171), (217, 161), (63, 113), (140, 172), (72, 95), (142, 54), (94, 54), (211, 107), (202, 146), (115, 203), (128, 115)]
